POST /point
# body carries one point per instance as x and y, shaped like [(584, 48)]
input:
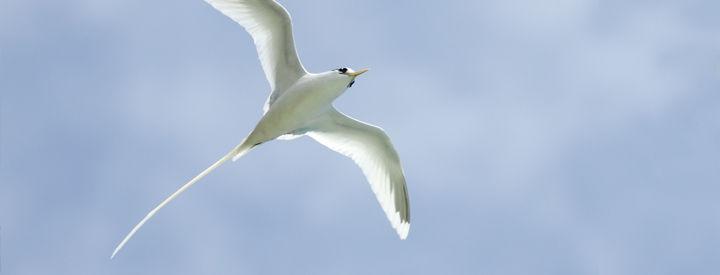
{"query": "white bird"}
[(300, 103)]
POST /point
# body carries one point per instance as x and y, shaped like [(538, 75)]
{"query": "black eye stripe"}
[(342, 70)]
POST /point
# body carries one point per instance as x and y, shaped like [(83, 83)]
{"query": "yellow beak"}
[(358, 72)]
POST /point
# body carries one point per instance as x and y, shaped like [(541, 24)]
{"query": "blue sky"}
[(562, 137)]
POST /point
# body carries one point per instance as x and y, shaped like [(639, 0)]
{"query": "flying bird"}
[(300, 103)]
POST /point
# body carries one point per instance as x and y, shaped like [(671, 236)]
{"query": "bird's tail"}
[(239, 151)]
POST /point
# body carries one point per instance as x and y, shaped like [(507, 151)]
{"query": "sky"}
[(560, 137)]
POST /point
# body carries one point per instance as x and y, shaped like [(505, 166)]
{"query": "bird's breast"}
[(294, 109)]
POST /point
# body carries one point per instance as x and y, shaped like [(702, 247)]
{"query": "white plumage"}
[(300, 103)]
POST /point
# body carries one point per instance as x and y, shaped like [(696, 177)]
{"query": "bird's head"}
[(349, 74)]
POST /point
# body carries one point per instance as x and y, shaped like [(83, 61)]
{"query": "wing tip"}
[(403, 229), (402, 226)]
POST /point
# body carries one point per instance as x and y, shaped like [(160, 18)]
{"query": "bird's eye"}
[(342, 70)]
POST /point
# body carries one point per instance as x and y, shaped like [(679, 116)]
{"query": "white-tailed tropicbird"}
[(300, 103)]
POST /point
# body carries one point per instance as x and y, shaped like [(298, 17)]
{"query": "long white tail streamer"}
[(237, 152)]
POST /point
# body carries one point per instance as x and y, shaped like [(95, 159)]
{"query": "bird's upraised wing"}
[(269, 25), (372, 150)]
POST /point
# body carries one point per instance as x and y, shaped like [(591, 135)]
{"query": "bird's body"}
[(300, 103), (308, 97)]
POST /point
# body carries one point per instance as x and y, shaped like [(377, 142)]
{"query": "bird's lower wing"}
[(270, 27), (373, 151)]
